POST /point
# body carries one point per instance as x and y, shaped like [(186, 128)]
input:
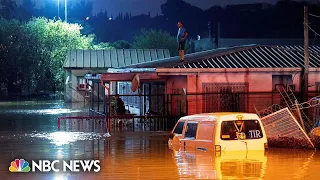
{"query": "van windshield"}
[(179, 128), (240, 130)]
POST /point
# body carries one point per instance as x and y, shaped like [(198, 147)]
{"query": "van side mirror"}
[(171, 136)]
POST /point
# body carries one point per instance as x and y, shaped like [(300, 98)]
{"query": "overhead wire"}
[(315, 33), (314, 15), (313, 30)]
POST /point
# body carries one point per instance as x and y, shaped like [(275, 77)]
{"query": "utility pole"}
[(306, 54), (65, 11), (304, 77), (58, 9)]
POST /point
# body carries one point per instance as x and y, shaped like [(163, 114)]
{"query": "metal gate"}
[(225, 97)]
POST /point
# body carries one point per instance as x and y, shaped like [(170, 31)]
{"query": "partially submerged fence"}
[(283, 130), (83, 123)]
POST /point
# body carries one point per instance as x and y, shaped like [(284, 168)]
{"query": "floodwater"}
[(29, 130)]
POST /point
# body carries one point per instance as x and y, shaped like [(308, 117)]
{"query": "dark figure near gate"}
[(120, 105)]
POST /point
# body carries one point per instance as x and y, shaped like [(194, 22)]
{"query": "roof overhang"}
[(128, 76), (231, 70), (150, 74)]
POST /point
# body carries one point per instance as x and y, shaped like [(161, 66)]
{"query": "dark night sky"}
[(153, 6)]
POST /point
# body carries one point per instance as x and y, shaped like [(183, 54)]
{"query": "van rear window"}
[(179, 128), (240, 130)]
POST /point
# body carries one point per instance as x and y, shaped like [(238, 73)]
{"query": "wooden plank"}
[(120, 57), (127, 57), (147, 55), (107, 58), (140, 56), (166, 53), (100, 59), (94, 59), (79, 58), (134, 56), (87, 57), (160, 53), (114, 58), (67, 61), (73, 58), (154, 55)]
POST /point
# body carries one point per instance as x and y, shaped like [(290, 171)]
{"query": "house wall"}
[(71, 92), (260, 83), (174, 85), (314, 80)]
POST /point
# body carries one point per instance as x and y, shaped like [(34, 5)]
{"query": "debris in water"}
[(106, 135), (289, 142), (315, 136)]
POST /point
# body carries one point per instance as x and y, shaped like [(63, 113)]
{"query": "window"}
[(207, 130), (281, 80), (191, 130), (231, 130), (179, 128)]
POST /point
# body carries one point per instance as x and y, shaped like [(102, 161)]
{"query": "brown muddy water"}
[(28, 130)]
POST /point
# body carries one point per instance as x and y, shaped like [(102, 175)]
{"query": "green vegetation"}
[(121, 44), (32, 53), (156, 39)]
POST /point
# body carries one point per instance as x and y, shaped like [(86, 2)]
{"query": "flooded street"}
[(28, 130)]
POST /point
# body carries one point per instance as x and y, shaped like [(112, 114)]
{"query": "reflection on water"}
[(41, 111), (207, 165), (36, 115), (62, 138), (138, 155), (141, 155)]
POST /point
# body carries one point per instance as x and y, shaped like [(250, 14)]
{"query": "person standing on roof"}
[(181, 39)]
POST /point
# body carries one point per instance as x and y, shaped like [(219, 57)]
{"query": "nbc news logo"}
[(20, 165)]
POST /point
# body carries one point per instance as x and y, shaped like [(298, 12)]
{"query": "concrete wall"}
[(259, 82), (71, 92)]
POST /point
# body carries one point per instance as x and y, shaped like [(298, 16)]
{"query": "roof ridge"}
[(269, 60), (294, 50), (229, 50)]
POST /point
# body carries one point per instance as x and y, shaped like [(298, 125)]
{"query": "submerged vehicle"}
[(222, 131)]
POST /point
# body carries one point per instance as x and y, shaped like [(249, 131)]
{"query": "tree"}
[(156, 39), (102, 46), (18, 55), (56, 38), (32, 54), (121, 44), (8, 9)]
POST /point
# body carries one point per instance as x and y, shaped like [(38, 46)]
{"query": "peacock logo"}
[(19, 165)]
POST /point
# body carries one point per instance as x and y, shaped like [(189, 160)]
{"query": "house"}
[(240, 78), (81, 62)]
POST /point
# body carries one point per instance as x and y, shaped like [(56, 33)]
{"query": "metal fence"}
[(170, 107)]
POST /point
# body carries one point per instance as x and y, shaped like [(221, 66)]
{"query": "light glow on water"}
[(61, 138), (42, 111)]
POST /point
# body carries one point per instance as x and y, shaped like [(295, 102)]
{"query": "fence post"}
[(58, 124)]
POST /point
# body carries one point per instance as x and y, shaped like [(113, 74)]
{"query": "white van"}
[(223, 131)]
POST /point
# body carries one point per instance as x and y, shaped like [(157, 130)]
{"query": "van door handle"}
[(202, 148)]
